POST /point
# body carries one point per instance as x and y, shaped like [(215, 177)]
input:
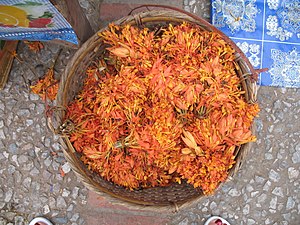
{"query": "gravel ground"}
[(30, 156), (265, 191)]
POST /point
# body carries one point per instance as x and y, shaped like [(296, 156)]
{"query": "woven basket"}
[(159, 198)]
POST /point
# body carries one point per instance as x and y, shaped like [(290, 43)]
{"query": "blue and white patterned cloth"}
[(36, 9), (268, 32)]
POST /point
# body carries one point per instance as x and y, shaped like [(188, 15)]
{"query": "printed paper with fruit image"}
[(33, 20)]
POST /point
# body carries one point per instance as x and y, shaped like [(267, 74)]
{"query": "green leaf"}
[(47, 14)]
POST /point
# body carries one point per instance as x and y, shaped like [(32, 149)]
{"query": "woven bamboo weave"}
[(158, 198)]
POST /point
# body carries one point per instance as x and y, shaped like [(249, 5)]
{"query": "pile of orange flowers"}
[(46, 87), (161, 106)]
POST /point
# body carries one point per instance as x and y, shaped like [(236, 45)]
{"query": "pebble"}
[(250, 221), (34, 172), (48, 161), (234, 192), (61, 202), (1, 193), (274, 176), (75, 192), (19, 220), (22, 159), (246, 209), (11, 169), (75, 217), (184, 222), (46, 209), (278, 191), (66, 167), (47, 174), (13, 148), (290, 203), (27, 182), (8, 195), (293, 173), (60, 220), (273, 203), (65, 192), (2, 135), (55, 165), (296, 157)]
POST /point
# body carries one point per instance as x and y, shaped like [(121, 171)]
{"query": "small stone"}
[(48, 161), (35, 186), (278, 191), (184, 222), (293, 173), (13, 148), (22, 159), (27, 147), (55, 165), (33, 97), (23, 113), (262, 198), (1, 124), (17, 176), (19, 220), (28, 166), (29, 122), (213, 205), (70, 208), (8, 195), (75, 217), (60, 220), (250, 222), (14, 158), (34, 172), (249, 188), (66, 167), (273, 211), (234, 192), (204, 209), (290, 203), (2, 135), (296, 157), (274, 176), (287, 216), (246, 209), (61, 203), (1, 193), (11, 169), (267, 185), (27, 182), (56, 146), (46, 209), (52, 202), (5, 154), (46, 174), (75, 192), (66, 192), (273, 203), (268, 156), (254, 193)]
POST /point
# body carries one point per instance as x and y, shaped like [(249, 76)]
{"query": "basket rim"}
[(90, 45)]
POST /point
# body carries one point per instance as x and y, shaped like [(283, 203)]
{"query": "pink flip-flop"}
[(40, 221), (216, 220)]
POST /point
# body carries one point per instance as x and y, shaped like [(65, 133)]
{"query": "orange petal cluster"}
[(162, 106)]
